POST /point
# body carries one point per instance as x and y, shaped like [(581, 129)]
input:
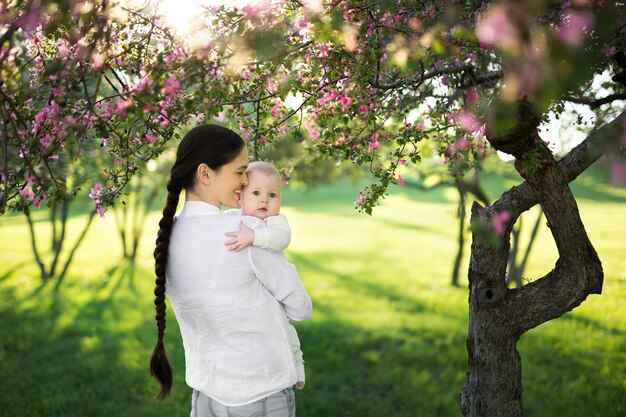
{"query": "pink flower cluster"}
[(96, 195), (468, 122), (28, 194), (331, 96), (170, 86), (574, 27), (499, 221), (360, 199), (374, 142)]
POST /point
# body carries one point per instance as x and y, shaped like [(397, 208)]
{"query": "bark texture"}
[(498, 316)]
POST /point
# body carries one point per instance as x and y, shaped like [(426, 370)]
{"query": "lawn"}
[(387, 336)]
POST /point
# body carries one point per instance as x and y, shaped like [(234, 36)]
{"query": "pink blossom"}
[(76, 7), (170, 86), (272, 87), (42, 116), (99, 209), (143, 83), (275, 110), (363, 109), (27, 193), (468, 121), (420, 127), (462, 143), (496, 28), (151, 138), (97, 61), (400, 180), (30, 180), (172, 56), (359, 200), (498, 221), (314, 133), (403, 162), (345, 101), (108, 108), (122, 106), (45, 141), (251, 12), (54, 109), (96, 192), (574, 26), (472, 95)]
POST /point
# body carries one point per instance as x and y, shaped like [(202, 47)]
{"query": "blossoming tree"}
[(369, 82), (377, 79)]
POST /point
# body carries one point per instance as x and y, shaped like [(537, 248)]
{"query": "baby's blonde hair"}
[(265, 168)]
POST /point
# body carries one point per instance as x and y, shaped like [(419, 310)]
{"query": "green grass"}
[(387, 336)]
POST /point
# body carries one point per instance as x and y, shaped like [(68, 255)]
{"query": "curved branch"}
[(594, 104), (578, 271)]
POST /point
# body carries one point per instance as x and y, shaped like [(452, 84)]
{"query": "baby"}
[(261, 199)]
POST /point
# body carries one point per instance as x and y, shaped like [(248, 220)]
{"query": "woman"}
[(232, 307)]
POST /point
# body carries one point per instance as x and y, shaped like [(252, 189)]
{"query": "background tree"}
[(88, 94)]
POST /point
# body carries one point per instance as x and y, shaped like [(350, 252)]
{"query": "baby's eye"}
[(273, 195), (256, 193)]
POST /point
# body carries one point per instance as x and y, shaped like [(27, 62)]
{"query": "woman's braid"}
[(160, 366)]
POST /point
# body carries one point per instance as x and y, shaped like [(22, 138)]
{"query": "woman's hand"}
[(241, 239)]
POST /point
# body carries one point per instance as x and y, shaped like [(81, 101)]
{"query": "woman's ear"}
[(204, 174)]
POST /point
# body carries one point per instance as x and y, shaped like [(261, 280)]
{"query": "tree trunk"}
[(498, 316)]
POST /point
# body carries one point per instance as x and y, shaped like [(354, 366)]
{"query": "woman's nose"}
[(244, 180)]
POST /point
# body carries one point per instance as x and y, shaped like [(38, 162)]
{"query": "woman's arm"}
[(282, 281)]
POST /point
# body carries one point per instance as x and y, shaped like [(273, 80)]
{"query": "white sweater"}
[(229, 306), (275, 235)]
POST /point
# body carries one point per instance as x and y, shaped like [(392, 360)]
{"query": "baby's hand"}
[(241, 239)]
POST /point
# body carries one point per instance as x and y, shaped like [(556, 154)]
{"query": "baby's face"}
[(261, 197)]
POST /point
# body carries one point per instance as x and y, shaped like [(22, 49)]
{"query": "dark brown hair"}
[(215, 146)]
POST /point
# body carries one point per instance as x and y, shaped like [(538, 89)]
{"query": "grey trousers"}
[(281, 404)]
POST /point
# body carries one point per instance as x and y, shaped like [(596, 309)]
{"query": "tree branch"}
[(594, 104), (419, 80), (578, 271)]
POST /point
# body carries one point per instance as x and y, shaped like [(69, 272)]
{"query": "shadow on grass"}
[(364, 286), (84, 352), (12, 270), (65, 353)]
